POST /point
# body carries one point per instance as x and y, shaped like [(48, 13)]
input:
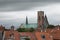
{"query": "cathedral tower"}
[(40, 20), (45, 23)]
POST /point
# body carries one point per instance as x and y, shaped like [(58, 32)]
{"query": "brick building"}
[(41, 32)]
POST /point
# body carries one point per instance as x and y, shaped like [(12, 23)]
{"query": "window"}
[(24, 38), (43, 36)]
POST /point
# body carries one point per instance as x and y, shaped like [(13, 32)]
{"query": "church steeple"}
[(45, 22), (26, 20), (40, 20)]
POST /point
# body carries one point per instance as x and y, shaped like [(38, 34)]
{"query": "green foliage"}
[(25, 30), (51, 26), (31, 29), (21, 30)]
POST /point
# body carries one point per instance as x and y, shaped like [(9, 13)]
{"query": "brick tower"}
[(40, 20)]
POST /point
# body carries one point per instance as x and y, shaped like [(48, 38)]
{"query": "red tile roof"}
[(32, 35), (56, 34), (29, 34), (8, 33), (47, 36), (50, 34)]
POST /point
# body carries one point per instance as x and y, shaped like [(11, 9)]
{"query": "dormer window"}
[(12, 36), (43, 37), (24, 38)]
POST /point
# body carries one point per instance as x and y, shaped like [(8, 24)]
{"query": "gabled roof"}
[(28, 34), (39, 36), (8, 33), (56, 34)]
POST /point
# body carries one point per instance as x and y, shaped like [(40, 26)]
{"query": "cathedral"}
[(41, 31), (41, 24)]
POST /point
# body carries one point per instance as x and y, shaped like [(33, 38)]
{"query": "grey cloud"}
[(30, 0), (15, 22), (3, 15), (19, 5)]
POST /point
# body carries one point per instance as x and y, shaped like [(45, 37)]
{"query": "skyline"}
[(15, 11)]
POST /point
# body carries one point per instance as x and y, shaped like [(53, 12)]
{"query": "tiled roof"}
[(8, 33), (56, 34), (50, 34), (29, 34), (39, 36), (32, 35)]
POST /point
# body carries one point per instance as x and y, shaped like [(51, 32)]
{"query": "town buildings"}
[(41, 31)]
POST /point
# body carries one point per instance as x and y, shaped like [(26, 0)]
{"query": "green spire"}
[(26, 20)]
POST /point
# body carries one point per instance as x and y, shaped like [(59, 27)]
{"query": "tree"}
[(31, 29), (21, 30), (25, 30), (51, 26)]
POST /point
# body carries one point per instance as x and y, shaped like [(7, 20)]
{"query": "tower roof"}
[(12, 26), (46, 19), (26, 20)]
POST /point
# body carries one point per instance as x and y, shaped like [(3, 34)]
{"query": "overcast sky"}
[(14, 12)]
